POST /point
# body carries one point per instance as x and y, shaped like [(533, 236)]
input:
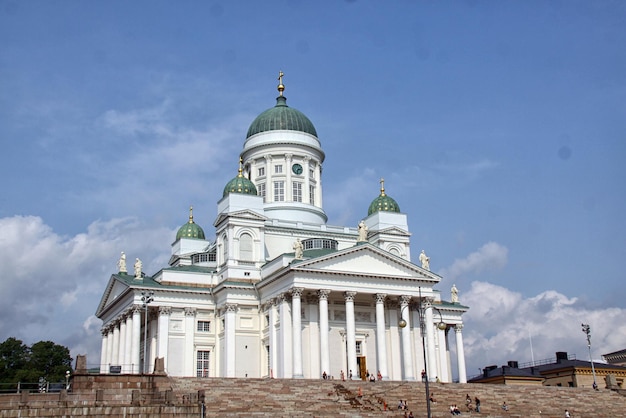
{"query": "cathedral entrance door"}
[(360, 361)]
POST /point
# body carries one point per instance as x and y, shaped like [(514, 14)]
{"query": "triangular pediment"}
[(115, 288), (366, 260), (241, 214), (394, 230)]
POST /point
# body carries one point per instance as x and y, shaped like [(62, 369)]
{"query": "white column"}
[(443, 361), (407, 353), (324, 347), (350, 334), (394, 342), (460, 353), (230, 317), (122, 354), (430, 342), (296, 314), (103, 350), (269, 186), (136, 339), (311, 354), (318, 189), (115, 355), (164, 332), (128, 354), (272, 338), (286, 370), (190, 330), (381, 343), (288, 179), (153, 331), (306, 196)]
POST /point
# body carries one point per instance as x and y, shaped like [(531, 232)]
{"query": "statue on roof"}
[(121, 263), (299, 248), (362, 232), (454, 294), (425, 260), (138, 265)]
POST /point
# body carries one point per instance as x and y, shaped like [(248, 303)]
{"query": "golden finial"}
[(240, 167), (281, 87), (190, 214), (382, 186)]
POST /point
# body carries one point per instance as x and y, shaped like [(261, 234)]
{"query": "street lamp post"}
[(402, 323), (146, 298), (587, 330)]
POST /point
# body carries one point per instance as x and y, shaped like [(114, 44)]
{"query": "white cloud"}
[(502, 325), (491, 256), (50, 285)]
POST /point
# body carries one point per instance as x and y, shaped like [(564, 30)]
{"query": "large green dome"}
[(240, 184), (190, 229), (383, 203), (281, 118)]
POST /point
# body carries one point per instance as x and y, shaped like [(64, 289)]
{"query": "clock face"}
[(296, 168)]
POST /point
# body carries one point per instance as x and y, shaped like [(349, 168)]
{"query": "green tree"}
[(18, 362), (14, 355), (50, 360)]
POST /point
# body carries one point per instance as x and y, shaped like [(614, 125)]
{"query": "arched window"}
[(246, 251), (225, 247)]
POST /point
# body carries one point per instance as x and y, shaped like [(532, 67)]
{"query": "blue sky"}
[(499, 127)]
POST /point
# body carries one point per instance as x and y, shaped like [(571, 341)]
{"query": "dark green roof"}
[(281, 118), (190, 229), (383, 203), (240, 184)]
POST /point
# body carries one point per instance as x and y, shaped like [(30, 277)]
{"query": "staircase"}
[(308, 398)]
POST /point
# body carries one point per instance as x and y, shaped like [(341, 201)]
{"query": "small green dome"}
[(383, 202), (190, 229), (240, 184)]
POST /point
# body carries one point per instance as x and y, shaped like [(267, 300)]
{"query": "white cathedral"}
[(279, 293)]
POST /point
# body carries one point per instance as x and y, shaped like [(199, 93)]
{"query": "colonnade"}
[(122, 340), (285, 339)]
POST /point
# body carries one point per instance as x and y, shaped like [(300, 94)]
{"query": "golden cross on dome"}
[(281, 88), (240, 167), (382, 186), (190, 214)]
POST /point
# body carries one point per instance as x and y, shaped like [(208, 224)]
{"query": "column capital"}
[(296, 292), (283, 297), (405, 300), (190, 311), (380, 297), (322, 294), (458, 328), (136, 309), (230, 307), (165, 310), (349, 296)]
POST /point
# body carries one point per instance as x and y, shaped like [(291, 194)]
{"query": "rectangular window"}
[(311, 173), (261, 190), (297, 191), (312, 194), (261, 171), (204, 326), (279, 191), (278, 169), (359, 348), (202, 365)]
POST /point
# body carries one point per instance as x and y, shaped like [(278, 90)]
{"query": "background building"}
[(280, 293)]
